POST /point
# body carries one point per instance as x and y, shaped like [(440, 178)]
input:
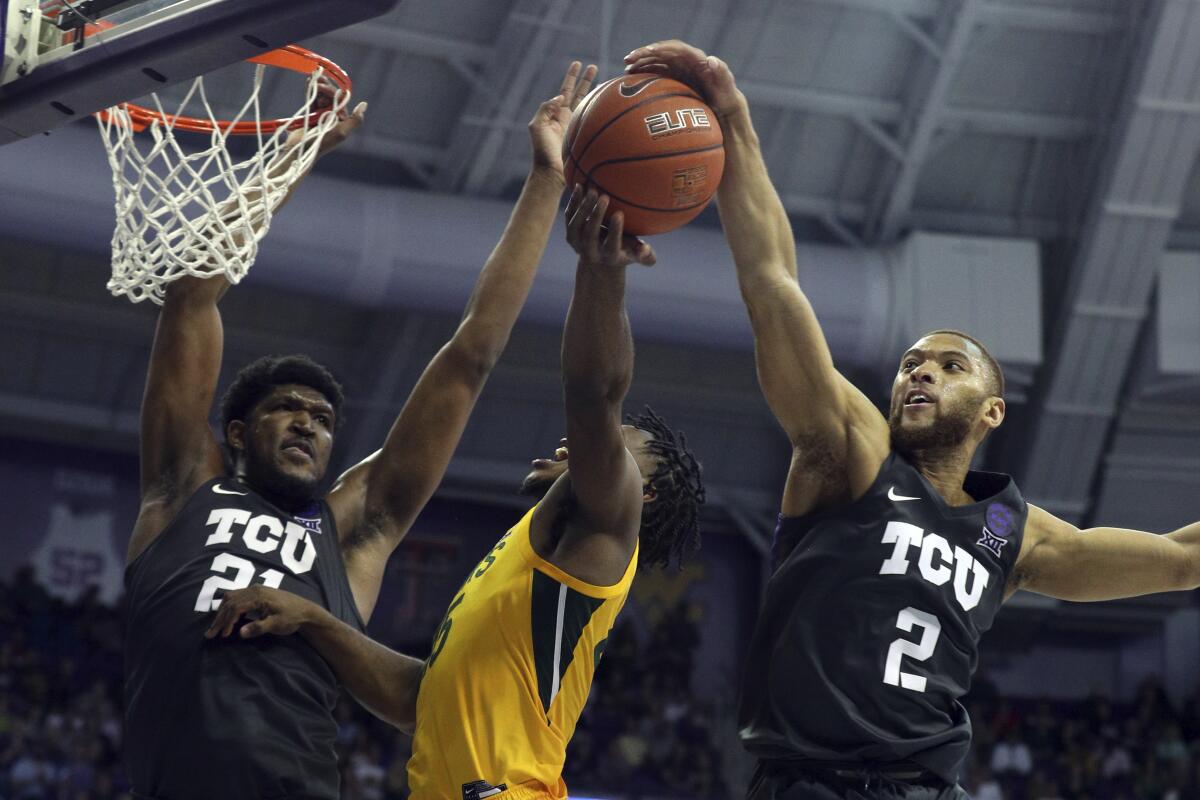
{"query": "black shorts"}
[(776, 781)]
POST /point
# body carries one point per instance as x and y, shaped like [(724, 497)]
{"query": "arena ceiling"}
[(1074, 123)]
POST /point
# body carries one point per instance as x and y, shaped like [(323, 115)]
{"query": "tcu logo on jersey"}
[(665, 123), (261, 533), (938, 562)]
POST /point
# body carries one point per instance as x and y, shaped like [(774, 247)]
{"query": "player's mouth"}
[(299, 449), (919, 398)]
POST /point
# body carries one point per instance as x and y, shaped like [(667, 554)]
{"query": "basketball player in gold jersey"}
[(512, 662)]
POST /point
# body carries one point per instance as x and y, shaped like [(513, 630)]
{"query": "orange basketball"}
[(652, 145)]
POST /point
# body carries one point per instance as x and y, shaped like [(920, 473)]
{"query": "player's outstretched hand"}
[(708, 75), (348, 125), (348, 121), (270, 611), (597, 244), (548, 127)]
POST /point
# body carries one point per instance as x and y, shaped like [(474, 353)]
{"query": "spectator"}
[(1011, 756), (986, 787), (1118, 763)]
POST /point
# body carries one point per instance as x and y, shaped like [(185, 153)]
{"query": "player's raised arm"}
[(178, 450), (597, 367), (1060, 560), (819, 409), (376, 502), (382, 680)]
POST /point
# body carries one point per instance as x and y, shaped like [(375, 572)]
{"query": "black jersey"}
[(231, 718), (870, 626)]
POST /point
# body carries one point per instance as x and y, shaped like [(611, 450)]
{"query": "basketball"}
[(652, 145)]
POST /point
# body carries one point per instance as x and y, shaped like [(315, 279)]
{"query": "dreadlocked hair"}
[(670, 523)]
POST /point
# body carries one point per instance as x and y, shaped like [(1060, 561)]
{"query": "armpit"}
[(370, 529)]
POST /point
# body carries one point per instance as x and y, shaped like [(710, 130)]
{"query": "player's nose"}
[(301, 422), (924, 374)]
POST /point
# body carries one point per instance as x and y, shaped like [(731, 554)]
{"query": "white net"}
[(188, 210)]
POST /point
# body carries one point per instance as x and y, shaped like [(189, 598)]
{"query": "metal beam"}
[(1000, 14), (892, 112), (472, 158), (979, 223), (898, 183), (1128, 223)]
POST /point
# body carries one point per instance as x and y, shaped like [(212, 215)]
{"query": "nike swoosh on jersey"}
[(629, 91), (217, 488), (898, 497)]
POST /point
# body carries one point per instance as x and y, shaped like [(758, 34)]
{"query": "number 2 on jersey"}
[(223, 563), (931, 629)]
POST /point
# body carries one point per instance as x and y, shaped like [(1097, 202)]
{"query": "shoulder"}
[(160, 509), (1043, 534)]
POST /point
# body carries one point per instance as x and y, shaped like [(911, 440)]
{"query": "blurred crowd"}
[(647, 732), (1093, 749), (60, 711), (60, 695)]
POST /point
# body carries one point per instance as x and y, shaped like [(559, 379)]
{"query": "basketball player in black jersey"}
[(218, 719), (892, 556)]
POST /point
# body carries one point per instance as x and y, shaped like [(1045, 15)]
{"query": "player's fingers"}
[(236, 612), (595, 221), (614, 238), (643, 253), (647, 65), (585, 85), (574, 200), (252, 630), (218, 621), (549, 109), (227, 614), (638, 250), (645, 51), (587, 213), (568, 84), (574, 216)]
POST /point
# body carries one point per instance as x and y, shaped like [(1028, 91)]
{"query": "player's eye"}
[(954, 365), (909, 363)]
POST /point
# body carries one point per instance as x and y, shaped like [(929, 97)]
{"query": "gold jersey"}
[(508, 676)]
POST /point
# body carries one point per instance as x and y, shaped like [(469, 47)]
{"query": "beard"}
[(289, 491), (948, 430)]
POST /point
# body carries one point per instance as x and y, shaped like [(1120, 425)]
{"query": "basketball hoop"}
[(198, 211)]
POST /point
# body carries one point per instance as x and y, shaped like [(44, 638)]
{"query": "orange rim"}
[(291, 57)]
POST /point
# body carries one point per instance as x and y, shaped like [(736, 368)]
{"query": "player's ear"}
[(235, 435), (993, 412)]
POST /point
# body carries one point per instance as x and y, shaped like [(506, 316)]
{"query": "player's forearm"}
[(508, 274), (382, 680), (597, 350), (755, 222)]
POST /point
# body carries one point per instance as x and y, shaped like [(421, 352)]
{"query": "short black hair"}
[(256, 380), (671, 521), (996, 379)]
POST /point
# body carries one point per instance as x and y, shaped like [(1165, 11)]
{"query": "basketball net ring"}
[(199, 211)]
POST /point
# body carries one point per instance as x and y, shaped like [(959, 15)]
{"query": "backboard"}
[(63, 60)]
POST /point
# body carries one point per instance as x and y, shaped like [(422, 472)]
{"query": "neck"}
[(945, 469)]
